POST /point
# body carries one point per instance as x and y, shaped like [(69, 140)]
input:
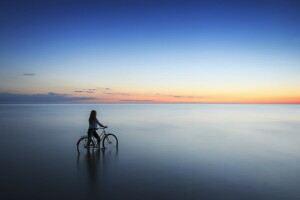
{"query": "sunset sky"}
[(148, 51)]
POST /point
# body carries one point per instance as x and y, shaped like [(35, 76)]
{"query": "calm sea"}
[(166, 151)]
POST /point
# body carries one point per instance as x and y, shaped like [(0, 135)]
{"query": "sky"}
[(148, 51)]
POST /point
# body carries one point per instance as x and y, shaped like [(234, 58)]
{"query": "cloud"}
[(91, 89), (103, 88), (185, 96), (28, 74), (51, 97), (129, 100), (178, 96), (110, 91), (53, 94), (81, 91), (117, 93)]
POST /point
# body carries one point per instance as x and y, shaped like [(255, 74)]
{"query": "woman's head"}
[(93, 115)]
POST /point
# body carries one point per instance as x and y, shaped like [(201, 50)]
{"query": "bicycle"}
[(108, 140)]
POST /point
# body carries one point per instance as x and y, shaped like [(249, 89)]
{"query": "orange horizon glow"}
[(238, 94), (211, 100), (188, 95)]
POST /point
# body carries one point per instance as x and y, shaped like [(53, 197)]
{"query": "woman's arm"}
[(99, 123)]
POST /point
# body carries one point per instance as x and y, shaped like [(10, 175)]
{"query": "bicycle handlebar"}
[(102, 127)]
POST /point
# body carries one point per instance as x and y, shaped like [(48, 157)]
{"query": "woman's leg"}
[(90, 135), (95, 134)]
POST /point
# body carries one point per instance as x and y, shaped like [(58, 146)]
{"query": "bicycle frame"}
[(86, 140), (101, 136)]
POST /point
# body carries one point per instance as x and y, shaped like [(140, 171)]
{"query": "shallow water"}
[(167, 151)]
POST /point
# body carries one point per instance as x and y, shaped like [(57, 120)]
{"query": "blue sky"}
[(222, 50)]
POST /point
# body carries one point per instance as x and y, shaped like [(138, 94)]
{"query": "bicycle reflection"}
[(97, 164)]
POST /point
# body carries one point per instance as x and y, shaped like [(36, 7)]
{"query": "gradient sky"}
[(150, 51)]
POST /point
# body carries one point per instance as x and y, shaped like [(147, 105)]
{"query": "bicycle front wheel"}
[(82, 144), (110, 140)]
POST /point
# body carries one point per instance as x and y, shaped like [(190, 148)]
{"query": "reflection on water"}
[(95, 164), (165, 152)]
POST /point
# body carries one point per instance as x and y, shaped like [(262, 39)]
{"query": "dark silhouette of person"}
[(93, 121)]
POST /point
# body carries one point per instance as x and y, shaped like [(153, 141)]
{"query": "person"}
[(93, 121)]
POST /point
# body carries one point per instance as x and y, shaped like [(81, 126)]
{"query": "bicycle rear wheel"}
[(110, 140), (82, 144)]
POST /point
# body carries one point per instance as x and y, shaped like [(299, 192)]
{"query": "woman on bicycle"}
[(93, 121)]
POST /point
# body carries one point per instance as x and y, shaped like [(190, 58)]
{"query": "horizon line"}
[(136, 103)]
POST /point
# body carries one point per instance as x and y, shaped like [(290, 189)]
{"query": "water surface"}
[(177, 151)]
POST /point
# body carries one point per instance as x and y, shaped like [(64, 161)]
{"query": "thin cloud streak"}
[(29, 74), (132, 100), (81, 91), (103, 88), (51, 97), (116, 93), (180, 96)]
